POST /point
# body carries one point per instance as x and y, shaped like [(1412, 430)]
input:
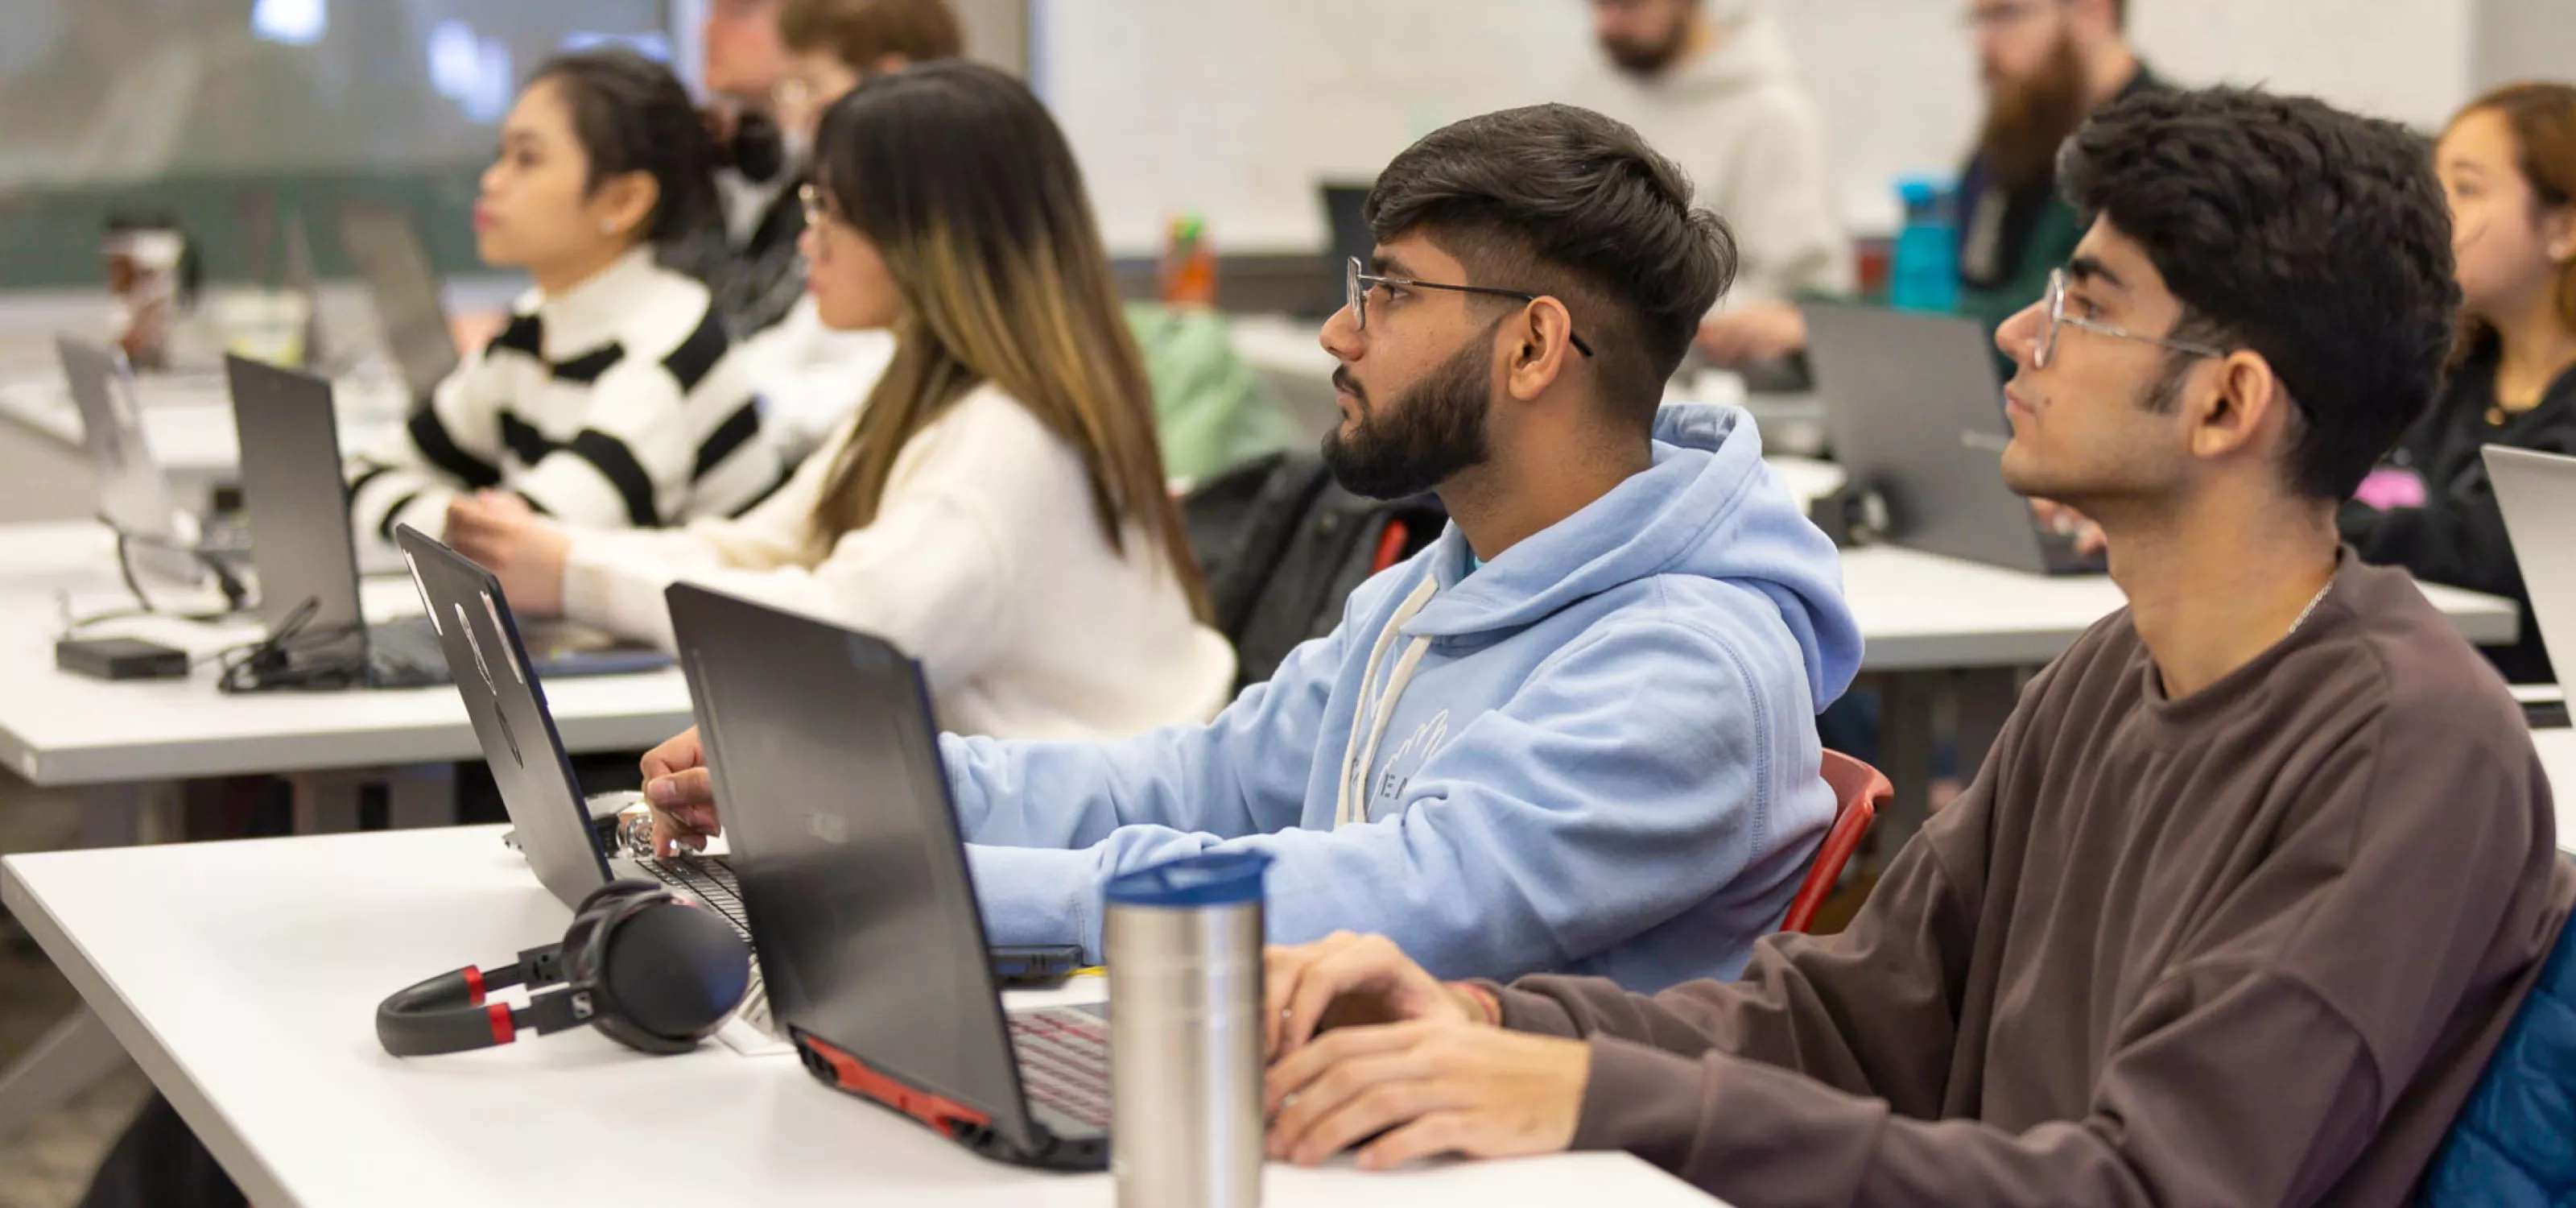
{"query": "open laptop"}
[(1917, 416), (134, 496), (404, 285), (480, 643), (2537, 492), (844, 837), (307, 558)]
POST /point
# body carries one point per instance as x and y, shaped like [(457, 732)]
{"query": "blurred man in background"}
[(1711, 84), (2045, 66)]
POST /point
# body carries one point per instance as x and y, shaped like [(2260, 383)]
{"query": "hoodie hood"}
[(1750, 53), (1708, 508)]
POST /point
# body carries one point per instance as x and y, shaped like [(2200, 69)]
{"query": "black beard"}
[(1435, 431)]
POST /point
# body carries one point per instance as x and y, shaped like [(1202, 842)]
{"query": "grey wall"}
[(2524, 39)]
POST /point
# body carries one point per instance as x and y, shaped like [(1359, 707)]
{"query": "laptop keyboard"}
[(1064, 1061), (708, 879)]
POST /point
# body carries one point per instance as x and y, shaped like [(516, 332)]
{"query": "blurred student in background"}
[(810, 374), (1711, 84), (2045, 66), (2508, 164), (612, 399), (996, 507), (749, 259), (1210, 409)]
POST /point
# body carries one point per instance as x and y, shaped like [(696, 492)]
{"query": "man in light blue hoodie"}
[(1577, 733)]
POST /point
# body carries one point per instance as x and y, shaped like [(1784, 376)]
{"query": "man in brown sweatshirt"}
[(2254, 879)]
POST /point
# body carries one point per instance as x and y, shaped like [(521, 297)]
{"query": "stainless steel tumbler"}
[(1184, 946)]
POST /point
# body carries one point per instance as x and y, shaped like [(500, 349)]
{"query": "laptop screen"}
[(133, 494), (827, 768), (404, 287), (508, 707), (297, 504)]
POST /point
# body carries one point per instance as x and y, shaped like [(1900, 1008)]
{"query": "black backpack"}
[(1283, 547)]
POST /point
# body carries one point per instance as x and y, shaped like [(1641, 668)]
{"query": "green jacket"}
[(1210, 407)]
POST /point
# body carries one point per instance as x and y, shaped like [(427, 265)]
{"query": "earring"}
[(607, 227)]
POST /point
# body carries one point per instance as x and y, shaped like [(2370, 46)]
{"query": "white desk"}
[(62, 729), (121, 745), (2558, 756), (244, 976)]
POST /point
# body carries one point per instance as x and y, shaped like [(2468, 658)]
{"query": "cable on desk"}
[(270, 664)]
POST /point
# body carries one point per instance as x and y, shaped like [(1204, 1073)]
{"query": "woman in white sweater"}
[(996, 508), (612, 398)]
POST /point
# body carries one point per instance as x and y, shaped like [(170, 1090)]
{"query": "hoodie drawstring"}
[(1373, 717)]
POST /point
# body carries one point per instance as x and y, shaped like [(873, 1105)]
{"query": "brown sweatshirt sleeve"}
[(2255, 1071), (1872, 1010)]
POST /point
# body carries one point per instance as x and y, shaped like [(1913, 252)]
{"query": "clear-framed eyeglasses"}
[(2058, 319)]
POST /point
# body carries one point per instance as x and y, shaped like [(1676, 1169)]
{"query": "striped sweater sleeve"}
[(451, 444)]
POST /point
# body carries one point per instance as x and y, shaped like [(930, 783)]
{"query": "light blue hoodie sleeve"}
[(1633, 770), (1241, 773)]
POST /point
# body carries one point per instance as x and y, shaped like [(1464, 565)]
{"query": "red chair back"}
[(1860, 791)]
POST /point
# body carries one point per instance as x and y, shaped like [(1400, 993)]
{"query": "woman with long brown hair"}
[(997, 506), (2508, 165)]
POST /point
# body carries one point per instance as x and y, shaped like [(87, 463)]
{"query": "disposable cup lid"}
[(1211, 879)]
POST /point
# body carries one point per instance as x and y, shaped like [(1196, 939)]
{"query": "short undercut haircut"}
[(1561, 201)]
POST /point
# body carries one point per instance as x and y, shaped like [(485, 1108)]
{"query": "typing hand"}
[(1344, 980), (2064, 520), (682, 795), (501, 533), (1432, 1086), (1763, 331)]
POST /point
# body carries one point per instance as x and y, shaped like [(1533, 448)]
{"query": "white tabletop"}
[(2557, 748), (1921, 611), (57, 728), (244, 976)]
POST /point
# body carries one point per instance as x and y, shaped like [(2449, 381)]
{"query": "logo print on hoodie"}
[(1424, 743)]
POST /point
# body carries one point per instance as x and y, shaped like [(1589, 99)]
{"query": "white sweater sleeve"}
[(934, 574)]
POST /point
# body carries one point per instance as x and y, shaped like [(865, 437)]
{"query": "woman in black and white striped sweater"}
[(612, 399)]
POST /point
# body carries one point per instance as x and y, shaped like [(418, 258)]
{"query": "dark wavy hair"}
[(2313, 237), (1556, 200)]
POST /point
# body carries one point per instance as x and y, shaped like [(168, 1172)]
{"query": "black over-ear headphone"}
[(654, 971)]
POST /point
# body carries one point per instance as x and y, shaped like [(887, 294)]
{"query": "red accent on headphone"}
[(473, 986), (503, 1031), (943, 1115)]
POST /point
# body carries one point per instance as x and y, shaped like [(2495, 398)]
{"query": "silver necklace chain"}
[(2311, 609)]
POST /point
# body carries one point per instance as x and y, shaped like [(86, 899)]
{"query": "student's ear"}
[(624, 203), (2558, 234), (2245, 398), (1538, 346)]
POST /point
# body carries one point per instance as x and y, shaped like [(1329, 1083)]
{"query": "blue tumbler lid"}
[(1210, 879)]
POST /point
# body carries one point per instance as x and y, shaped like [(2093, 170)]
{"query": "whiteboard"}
[(1234, 109)]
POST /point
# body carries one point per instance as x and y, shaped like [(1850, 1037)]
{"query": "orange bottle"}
[(1189, 264)]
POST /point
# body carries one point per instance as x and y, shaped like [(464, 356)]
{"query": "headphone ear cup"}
[(663, 974)]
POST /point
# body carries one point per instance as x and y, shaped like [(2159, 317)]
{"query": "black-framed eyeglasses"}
[(2054, 310), (1356, 286)]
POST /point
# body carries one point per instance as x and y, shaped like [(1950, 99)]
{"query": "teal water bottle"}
[(1923, 273)]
